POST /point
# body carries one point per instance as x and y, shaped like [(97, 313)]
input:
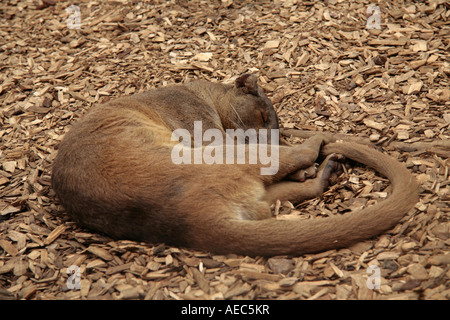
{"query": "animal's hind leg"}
[(297, 192)]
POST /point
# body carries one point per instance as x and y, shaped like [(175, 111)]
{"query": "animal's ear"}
[(248, 83)]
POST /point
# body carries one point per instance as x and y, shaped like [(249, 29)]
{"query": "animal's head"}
[(252, 108)]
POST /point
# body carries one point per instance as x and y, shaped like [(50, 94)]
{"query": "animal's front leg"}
[(270, 163), (294, 158), (297, 192)]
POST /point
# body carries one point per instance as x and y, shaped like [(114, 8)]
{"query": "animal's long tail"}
[(275, 237)]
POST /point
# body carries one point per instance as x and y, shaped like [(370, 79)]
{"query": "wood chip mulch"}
[(323, 69)]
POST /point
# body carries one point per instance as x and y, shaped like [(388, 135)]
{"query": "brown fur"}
[(114, 174)]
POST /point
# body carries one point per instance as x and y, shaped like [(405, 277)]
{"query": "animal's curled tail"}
[(275, 237)]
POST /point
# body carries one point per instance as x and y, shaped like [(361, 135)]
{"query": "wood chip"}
[(204, 56), (272, 44), (374, 125), (238, 290), (415, 87), (200, 279), (9, 247), (442, 259), (55, 234), (387, 42), (100, 252)]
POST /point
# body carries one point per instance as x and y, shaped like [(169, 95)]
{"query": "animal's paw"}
[(303, 174), (331, 168)]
